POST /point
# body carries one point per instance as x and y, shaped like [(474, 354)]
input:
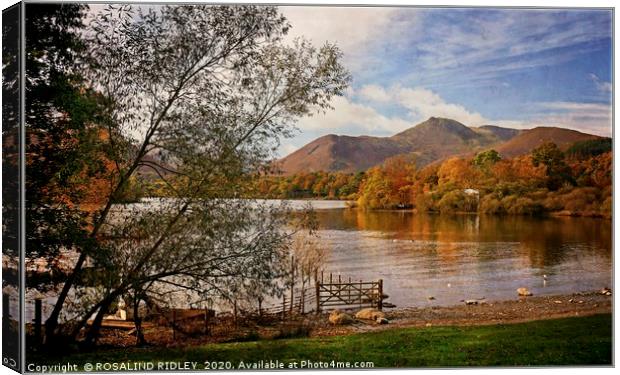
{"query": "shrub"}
[(525, 206), (491, 205), (424, 203), (458, 201)]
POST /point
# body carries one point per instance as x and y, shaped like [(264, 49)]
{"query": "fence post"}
[(283, 305), (361, 293), (380, 301), (349, 288), (235, 313), (206, 320), (37, 321), (318, 297), (292, 283), (174, 325)]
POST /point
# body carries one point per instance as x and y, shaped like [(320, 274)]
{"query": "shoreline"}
[(349, 204), (518, 310), (311, 325)]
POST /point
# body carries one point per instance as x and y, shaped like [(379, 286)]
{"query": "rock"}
[(370, 314), (524, 292), (605, 292), (558, 302), (430, 298), (471, 302), (389, 305), (382, 321), (337, 317)]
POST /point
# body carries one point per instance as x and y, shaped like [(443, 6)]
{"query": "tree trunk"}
[(93, 332), (52, 321), (137, 320)]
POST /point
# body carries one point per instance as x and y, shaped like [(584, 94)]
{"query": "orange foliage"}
[(519, 169)]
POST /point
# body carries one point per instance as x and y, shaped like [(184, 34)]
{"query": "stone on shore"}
[(338, 317), (369, 314), (524, 292)]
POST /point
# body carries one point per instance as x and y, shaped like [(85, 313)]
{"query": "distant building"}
[(471, 192)]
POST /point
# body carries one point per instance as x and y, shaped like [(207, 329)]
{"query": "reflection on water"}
[(456, 257)]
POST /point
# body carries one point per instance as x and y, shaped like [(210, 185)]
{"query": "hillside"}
[(341, 153), (527, 140), (431, 140), (496, 131)]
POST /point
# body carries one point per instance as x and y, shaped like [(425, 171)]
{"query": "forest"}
[(574, 182)]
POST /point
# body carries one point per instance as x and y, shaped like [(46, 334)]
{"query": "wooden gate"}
[(352, 294)]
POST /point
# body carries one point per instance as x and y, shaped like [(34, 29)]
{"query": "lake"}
[(457, 257)]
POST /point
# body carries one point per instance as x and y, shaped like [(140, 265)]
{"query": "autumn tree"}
[(64, 156), (549, 155), (389, 185), (206, 92), (486, 159), (459, 172)]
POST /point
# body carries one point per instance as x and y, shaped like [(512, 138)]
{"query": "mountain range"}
[(432, 140)]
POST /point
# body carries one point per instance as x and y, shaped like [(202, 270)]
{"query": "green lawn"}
[(570, 341)]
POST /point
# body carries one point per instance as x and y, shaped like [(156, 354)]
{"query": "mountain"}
[(431, 140), (527, 140), (341, 153), (496, 131)]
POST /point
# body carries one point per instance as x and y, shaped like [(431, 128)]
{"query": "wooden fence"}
[(330, 293), (349, 294)]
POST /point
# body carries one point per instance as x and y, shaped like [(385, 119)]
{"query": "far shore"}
[(350, 204)]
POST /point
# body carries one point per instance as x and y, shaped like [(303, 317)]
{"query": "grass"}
[(569, 341)]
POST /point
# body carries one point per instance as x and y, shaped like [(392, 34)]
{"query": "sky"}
[(518, 68)]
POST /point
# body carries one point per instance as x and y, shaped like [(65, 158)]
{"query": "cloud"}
[(484, 44), (591, 118), (350, 27), (374, 93), (601, 86), (594, 118), (421, 103), (358, 31), (356, 117)]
